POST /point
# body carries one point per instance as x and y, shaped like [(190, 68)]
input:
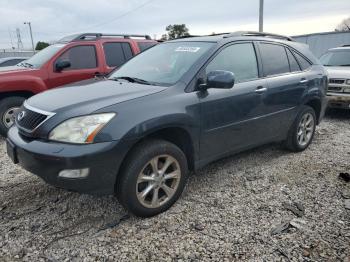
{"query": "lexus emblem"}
[(21, 115)]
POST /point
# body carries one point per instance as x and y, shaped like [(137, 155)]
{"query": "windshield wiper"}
[(132, 80), (345, 65)]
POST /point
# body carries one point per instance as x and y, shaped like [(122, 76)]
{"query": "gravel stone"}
[(226, 213)]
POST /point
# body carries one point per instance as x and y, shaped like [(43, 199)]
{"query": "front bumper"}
[(338, 100), (46, 159)]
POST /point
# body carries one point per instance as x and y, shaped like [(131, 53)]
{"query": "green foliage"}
[(41, 45), (175, 31)]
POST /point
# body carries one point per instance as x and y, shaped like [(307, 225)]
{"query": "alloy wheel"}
[(158, 181), (9, 116), (305, 129)]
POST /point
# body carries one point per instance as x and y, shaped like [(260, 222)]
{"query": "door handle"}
[(260, 89), (303, 81)]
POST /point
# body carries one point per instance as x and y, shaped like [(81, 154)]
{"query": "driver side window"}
[(80, 57), (239, 59)]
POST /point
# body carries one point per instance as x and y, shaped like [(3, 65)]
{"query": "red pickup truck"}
[(71, 59)]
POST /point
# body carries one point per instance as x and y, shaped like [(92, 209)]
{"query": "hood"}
[(13, 69), (338, 71), (92, 96)]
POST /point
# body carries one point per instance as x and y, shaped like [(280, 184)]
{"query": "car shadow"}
[(340, 114)]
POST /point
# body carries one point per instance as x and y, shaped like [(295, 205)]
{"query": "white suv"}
[(337, 62)]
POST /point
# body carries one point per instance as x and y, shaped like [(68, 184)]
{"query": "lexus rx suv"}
[(169, 110)]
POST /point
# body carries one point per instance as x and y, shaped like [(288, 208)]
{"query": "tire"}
[(294, 142), (8, 106), (130, 186)]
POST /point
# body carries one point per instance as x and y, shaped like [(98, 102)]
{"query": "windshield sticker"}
[(190, 49)]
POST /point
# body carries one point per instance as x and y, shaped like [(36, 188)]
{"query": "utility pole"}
[(31, 34), (19, 40), (261, 16)]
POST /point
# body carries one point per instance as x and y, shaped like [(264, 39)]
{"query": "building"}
[(319, 43)]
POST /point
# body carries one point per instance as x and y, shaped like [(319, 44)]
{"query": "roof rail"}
[(262, 34), (94, 36)]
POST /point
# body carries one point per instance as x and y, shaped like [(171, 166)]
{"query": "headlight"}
[(348, 82), (80, 130)]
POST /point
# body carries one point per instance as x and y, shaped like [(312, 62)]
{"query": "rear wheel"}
[(8, 108), (302, 131), (153, 178)]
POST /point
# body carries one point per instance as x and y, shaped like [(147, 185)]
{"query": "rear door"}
[(231, 119), (84, 65), (116, 54), (286, 86)]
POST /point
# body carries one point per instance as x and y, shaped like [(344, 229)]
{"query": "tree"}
[(41, 45), (175, 31), (344, 25)]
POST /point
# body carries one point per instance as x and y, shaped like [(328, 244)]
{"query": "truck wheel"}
[(302, 131), (153, 178), (8, 108)]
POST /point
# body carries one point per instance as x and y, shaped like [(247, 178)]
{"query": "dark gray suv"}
[(172, 109)]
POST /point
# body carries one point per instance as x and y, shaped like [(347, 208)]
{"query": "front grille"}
[(29, 120), (336, 81), (335, 88)]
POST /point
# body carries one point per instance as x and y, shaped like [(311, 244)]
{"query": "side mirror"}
[(219, 79), (59, 66)]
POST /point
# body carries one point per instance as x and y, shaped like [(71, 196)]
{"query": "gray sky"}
[(52, 19)]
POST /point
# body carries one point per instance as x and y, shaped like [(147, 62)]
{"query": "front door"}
[(232, 119), (83, 60)]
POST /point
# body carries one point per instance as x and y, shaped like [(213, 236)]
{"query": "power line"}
[(122, 15)]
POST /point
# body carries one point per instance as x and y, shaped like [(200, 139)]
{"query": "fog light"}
[(74, 173)]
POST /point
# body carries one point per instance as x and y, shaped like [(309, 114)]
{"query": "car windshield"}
[(336, 58), (163, 64), (37, 60)]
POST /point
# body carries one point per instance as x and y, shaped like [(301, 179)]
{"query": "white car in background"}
[(337, 62), (11, 61)]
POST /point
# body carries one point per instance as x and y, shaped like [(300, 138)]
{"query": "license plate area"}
[(11, 151)]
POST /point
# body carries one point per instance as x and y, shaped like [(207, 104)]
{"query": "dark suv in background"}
[(173, 108)]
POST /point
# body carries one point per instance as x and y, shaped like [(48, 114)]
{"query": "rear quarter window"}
[(304, 64)]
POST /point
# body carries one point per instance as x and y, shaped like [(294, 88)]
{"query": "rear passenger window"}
[(145, 45), (117, 54), (294, 66), (304, 64), (239, 59), (274, 58)]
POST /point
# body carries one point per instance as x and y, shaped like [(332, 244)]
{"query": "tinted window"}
[(145, 45), (239, 59), (274, 58), (304, 64), (127, 51), (294, 66), (117, 54), (80, 57)]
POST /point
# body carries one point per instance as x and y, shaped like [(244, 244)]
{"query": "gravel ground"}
[(262, 205)]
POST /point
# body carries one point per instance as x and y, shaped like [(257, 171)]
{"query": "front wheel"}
[(153, 178), (302, 131), (8, 108)]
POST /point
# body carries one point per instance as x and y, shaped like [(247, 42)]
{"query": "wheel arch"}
[(315, 104)]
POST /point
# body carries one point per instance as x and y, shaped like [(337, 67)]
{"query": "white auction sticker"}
[(191, 49)]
